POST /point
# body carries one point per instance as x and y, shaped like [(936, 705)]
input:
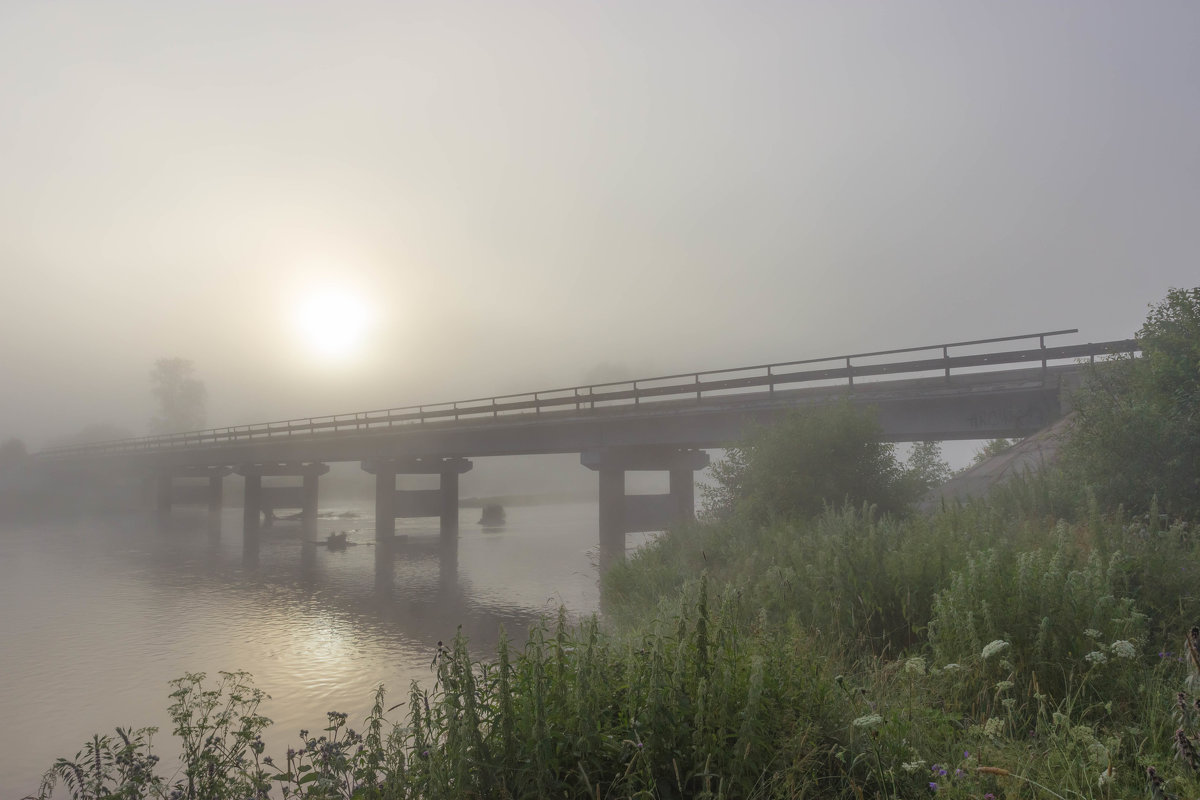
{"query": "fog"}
[(530, 195)]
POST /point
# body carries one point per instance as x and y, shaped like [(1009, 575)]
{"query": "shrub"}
[(814, 457)]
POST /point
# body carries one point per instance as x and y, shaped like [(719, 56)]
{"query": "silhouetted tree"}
[(181, 396)]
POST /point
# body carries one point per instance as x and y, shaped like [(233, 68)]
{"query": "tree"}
[(926, 468), (812, 458), (181, 396), (993, 448), (1138, 431)]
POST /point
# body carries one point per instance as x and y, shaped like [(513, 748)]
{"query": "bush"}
[(814, 457)]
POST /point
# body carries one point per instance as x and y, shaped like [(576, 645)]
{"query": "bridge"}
[(1010, 386)]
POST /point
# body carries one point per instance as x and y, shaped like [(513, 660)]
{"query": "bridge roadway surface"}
[(693, 411)]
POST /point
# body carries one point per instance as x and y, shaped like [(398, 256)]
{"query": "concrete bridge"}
[(1011, 386)]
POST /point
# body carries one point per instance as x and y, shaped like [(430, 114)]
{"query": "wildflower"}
[(993, 727), (1106, 777), (989, 796), (1003, 685), (915, 665), (912, 766), (933, 786), (1096, 657), (868, 721), (958, 773), (1123, 649), (1165, 654), (938, 769), (1092, 633), (952, 667), (992, 648)]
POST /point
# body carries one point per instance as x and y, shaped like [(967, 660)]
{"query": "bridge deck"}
[(972, 396)]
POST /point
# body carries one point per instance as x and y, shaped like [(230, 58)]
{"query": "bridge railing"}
[(708, 384)]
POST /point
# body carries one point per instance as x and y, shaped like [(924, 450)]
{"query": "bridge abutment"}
[(621, 513), (260, 500), (392, 503)]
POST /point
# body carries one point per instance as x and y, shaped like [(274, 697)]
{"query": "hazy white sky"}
[(531, 194)]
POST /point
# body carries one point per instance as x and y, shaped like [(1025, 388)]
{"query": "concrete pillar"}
[(252, 507), (621, 513), (266, 499), (683, 493), (166, 484), (449, 515), (216, 493), (612, 517), (391, 502), (308, 511), (385, 495)]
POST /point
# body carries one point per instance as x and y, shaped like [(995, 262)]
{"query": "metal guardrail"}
[(623, 393)]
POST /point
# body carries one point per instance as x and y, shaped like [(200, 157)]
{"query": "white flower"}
[(1003, 685), (952, 667), (1096, 657), (1106, 777), (869, 721), (994, 727), (915, 665), (992, 648), (1092, 633), (913, 766), (1123, 649)]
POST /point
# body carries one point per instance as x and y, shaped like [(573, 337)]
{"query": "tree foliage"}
[(1138, 430), (993, 447), (814, 457), (181, 396)]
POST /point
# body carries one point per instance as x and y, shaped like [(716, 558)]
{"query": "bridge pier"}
[(261, 499), (392, 503), (167, 493), (621, 513)]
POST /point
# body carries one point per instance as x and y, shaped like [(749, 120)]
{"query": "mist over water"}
[(112, 609)]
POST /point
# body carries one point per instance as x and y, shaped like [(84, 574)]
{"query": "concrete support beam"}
[(265, 500), (621, 513), (392, 503)]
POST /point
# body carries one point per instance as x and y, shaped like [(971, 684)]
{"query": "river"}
[(99, 615)]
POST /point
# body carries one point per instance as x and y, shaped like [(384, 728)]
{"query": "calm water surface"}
[(100, 615)]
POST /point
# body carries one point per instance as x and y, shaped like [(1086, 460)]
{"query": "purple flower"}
[(989, 796), (958, 773), (933, 786)]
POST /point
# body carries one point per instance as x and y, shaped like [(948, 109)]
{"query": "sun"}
[(333, 322)]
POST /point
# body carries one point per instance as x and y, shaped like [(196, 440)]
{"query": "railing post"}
[(770, 381), (495, 411), (946, 358), (698, 389), (421, 413), (456, 412), (1042, 343), (636, 400), (849, 372)]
